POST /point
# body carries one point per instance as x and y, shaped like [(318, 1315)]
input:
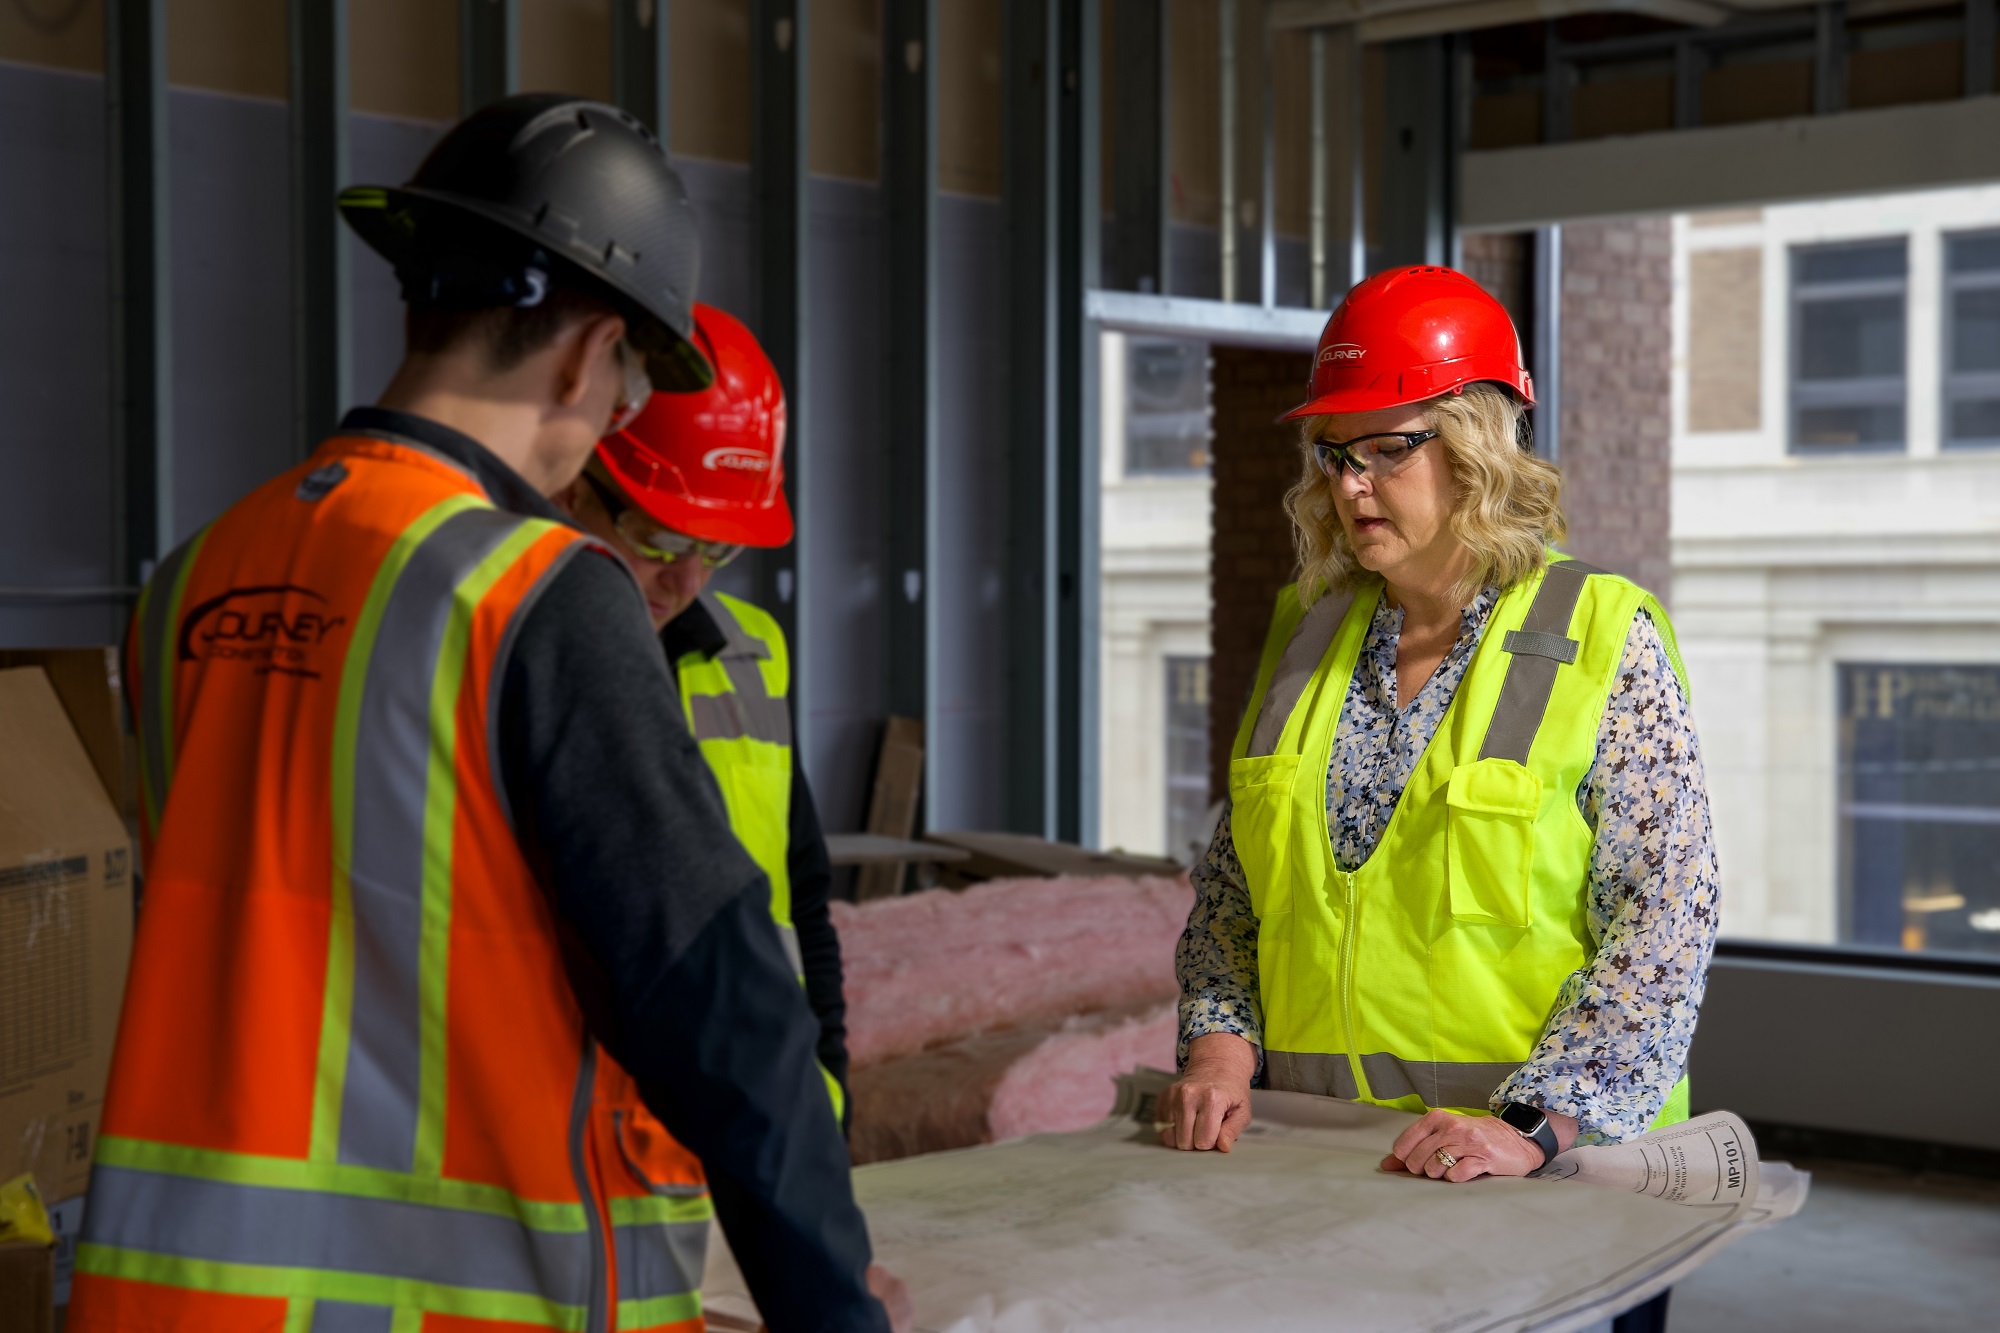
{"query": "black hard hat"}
[(541, 186)]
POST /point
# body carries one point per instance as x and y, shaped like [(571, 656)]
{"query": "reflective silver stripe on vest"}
[(392, 762), (346, 1317), (1438, 1082), (581, 1102), (788, 936), (1307, 1071), (1296, 669), (749, 709), (310, 1229), (660, 1259), (1531, 673)]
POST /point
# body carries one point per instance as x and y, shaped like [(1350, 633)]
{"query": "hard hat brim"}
[(1419, 384), (386, 217)]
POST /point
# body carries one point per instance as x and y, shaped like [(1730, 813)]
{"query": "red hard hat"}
[(1411, 334), (710, 464)]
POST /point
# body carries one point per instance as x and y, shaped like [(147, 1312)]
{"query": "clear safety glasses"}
[(1370, 456), (652, 541), (638, 389)]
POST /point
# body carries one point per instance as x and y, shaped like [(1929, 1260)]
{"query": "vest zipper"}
[(1347, 934)]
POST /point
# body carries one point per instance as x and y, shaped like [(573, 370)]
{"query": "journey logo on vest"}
[(276, 627)]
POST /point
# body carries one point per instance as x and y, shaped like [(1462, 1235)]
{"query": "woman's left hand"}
[(1480, 1145)]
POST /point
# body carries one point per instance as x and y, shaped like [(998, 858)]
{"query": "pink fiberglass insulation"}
[(1042, 1079), (939, 966)]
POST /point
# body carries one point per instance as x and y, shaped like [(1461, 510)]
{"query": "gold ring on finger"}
[(1447, 1159)]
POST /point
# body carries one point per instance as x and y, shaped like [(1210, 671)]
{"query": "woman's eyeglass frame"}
[(1332, 457), (714, 555)]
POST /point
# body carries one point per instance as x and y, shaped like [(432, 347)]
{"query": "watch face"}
[(1526, 1119)]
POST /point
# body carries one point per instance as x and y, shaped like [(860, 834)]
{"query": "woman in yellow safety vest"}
[(1466, 868)]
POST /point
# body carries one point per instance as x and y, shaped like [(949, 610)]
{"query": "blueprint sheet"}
[(1295, 1229)]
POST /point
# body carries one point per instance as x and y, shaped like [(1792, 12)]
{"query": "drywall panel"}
[(840, 456), (381, 152), (232, 300), (566, 47), (969, 675), (403, 58), (968, 130), (56, 515), (709, 54), (56, 34), (229, 46), (1858, 152)]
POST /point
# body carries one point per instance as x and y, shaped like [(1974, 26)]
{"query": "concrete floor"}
[(1874, 1249)]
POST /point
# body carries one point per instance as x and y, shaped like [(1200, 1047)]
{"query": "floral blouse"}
[(1617, 1038)]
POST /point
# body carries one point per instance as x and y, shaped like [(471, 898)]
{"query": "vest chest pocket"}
[(1260, 822), (1490, 841)]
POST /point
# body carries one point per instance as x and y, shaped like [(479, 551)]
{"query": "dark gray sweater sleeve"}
[(668, 939)]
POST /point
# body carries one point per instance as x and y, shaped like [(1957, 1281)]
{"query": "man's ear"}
[(583, 345)]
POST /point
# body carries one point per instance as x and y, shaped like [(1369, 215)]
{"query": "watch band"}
[(1517, 1117)]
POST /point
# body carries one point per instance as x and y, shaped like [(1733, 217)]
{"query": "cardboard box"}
[(65, 936), (89, 683), (27, 1288)]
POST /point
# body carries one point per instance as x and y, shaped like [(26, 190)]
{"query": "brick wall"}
[(1256, 461), (1617, 353)]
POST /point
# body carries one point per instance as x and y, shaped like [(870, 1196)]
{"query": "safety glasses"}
[(1370, 456), (654, 542), (638, 388)]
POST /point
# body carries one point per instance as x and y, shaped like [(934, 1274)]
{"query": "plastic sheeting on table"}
[(1295, 1229)]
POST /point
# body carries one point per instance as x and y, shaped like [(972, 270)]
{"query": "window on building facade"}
[(1168, 423), (1187, 757), (1920, 806), (1972, 340), (1848, 375)]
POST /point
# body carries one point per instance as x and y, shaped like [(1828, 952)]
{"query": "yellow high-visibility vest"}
[(737, 711), (1425, 978)]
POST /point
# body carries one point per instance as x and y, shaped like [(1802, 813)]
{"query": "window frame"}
[(1953, 385), (1800, 393), (1134, 347)]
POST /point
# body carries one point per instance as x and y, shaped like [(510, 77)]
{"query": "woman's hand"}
[(1481, 1145), (1209, 1104)]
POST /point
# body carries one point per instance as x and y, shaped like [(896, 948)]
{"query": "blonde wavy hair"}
[(1506, 503)]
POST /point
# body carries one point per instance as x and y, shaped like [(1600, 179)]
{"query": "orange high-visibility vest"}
[(353, 1089)]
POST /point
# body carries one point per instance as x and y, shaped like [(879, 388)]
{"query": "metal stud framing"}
[(639, 60), (1050, 195), (1139, 231), (1981, 31), (322, 315), (1421, 142), (1226, 98), (1078, 546), (909, 262), (778, 68), (489, 52), (135, 86), (1267, 172), (1830, 58), (1558, 83)]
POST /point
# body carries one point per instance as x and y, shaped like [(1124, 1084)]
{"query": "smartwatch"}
[(1531, 1122)]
